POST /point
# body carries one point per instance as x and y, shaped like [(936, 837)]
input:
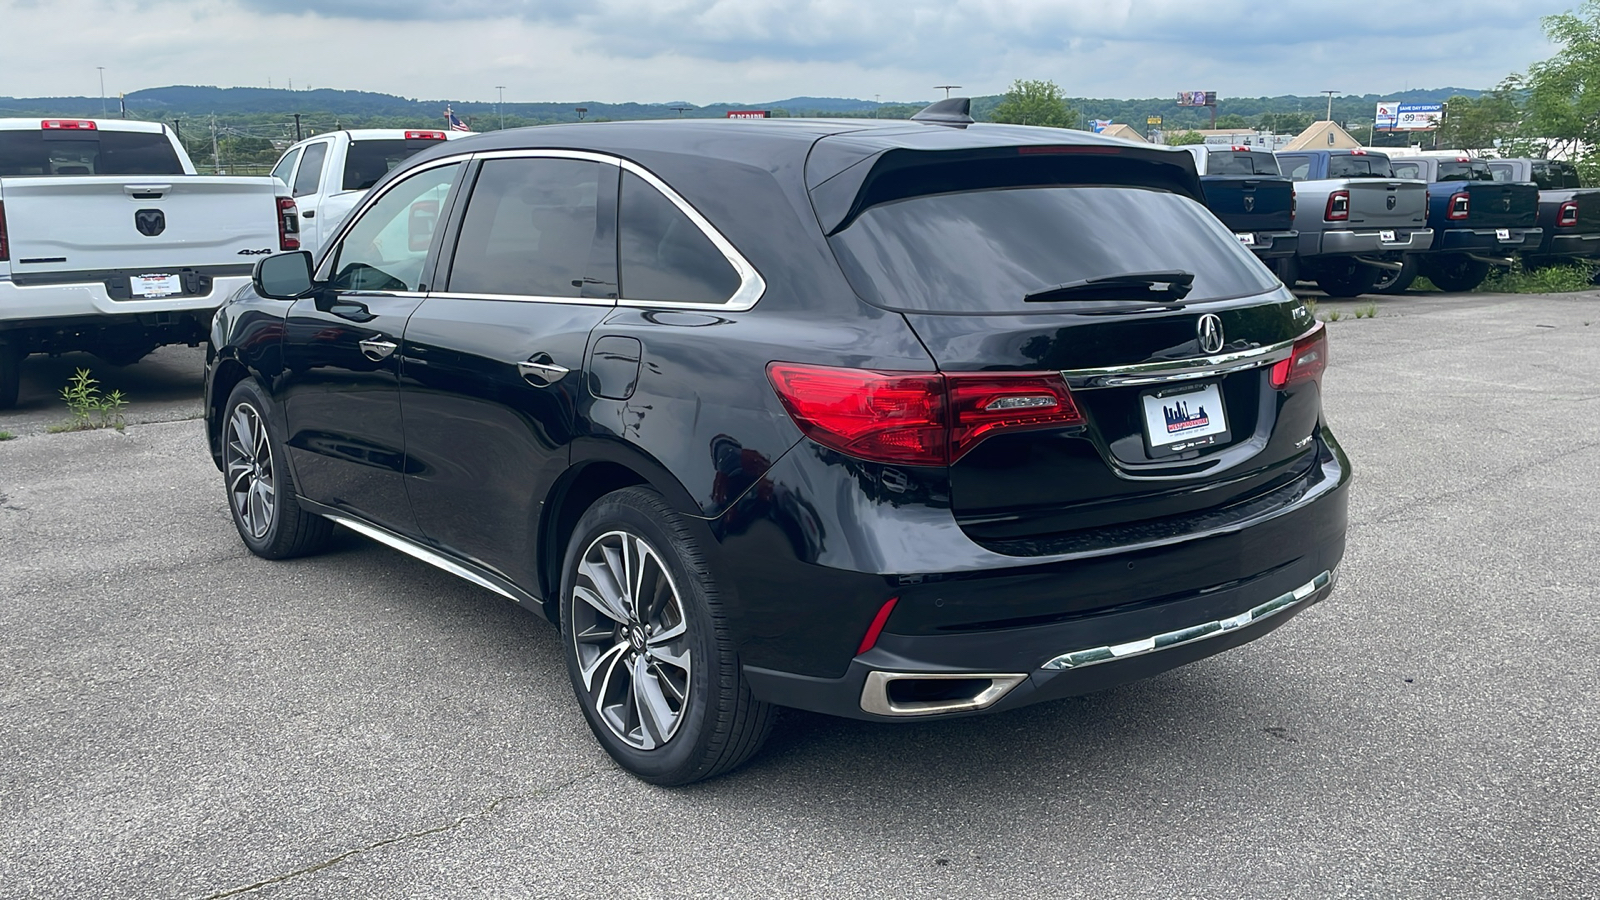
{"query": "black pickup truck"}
[(1569, 211), (1245, 190), (1477, 222)]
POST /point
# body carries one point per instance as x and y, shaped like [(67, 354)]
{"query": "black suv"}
[(880, 419)]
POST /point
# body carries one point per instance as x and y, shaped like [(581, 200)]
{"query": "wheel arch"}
[(224, 378)]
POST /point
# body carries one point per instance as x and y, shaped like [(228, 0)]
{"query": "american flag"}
[(455, 123)]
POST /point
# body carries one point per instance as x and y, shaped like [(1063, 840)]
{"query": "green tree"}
[(1563, 92), (1233, 120), (1182, 138), (1477, 124), (1035, 103), (1284, 123)]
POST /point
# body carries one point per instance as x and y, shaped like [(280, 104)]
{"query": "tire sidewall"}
[(248, 392), (675, 761)]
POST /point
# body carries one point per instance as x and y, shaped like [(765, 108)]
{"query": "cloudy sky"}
[(705, 51)]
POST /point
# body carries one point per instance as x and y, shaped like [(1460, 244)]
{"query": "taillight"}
[(288, 224), (1294, 203), (1338, 207), (5, 245), (1460, 203), (69, 125), (1567, 216), (1306, 362), (424, 135), (927, 419)]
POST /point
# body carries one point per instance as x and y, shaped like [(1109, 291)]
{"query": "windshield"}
[(985, 250), (367, 161), (1352, 166), (1476, 170), (1241, 162), (31, 152)]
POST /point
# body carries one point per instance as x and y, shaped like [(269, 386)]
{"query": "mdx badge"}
[(150, 222), (1209, 332)]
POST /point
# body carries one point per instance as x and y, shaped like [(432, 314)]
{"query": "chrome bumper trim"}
[(1178, 369), (1080, 659)]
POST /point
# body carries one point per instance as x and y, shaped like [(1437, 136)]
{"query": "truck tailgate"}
[(1376, 203), (94, 223)]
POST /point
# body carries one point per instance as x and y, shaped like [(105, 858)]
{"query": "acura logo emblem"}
[(150, 222), (1209, 332)]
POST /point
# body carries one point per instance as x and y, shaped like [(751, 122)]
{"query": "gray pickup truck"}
[(1569, 210), (1356, 220)]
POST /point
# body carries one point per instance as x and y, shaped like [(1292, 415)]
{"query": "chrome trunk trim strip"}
[(1168, 371), (1080, 659)]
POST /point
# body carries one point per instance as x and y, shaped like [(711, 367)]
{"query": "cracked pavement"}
[(179, 719)]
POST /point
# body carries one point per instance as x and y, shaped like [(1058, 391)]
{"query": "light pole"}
[(502, 89), (1330, 105), (102, 90), (581, 111), (875, 105), (680, 109), (947, 88)]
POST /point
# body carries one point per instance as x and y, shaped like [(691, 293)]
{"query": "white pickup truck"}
[(110, 243), (330, 173)]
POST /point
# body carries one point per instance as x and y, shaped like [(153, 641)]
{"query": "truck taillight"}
[(69, 125), (918, 418), (5, 245), (288, 224), (1567, 216), (1306, 361), (1460, 204), (1338, 207), (424, 135)]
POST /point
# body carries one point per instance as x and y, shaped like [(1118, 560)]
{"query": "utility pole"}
[(216, 156), (502, 99), (177, 129), (947, 88), (680, 109), (102, 90), (875, 105), (1330, 105), (297, 127)]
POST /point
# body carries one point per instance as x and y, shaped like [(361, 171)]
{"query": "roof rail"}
[(955, 112)]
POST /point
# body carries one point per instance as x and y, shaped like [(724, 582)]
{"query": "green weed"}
[(6, 436), (1558, 279), (90, 409), (1370, 311)]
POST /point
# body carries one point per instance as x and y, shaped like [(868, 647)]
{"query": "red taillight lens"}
[(424, 135), (288, 225), (1567, 216), (69, 125), (1307, 361), (1460, 204), (1338, 207), (5, 245), (926, 419)]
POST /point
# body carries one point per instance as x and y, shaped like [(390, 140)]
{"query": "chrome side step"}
[(1093, 656), (431, 557)]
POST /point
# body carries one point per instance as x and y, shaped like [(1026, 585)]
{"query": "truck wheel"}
[(10, 374), (1287, 268), (1397, 281), (1456, 274), (1345, 277)]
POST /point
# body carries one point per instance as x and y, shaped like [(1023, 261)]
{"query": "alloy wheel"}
[(252, 481), (631, 639)]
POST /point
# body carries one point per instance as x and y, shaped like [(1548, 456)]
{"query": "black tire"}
[(718, 723), (1397, 282), (1345, 277), (1454, 273), (281, 529), (1287, 268), (10, 374)]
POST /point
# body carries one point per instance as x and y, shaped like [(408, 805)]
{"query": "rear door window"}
[(983, 251), (386, 248), (309, 178), (1299, 167), (664, 256), (1502, 172), (534, 228), (284, 170), (367, 161)]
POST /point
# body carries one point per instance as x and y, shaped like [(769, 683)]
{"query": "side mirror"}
[(286, 276)]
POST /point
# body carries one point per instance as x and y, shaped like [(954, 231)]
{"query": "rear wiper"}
[(1162, 287)]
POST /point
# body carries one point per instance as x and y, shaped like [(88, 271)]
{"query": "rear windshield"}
[(1476, 170), (367, 161), (87, 153), (1241, 162), (1359, 167), (983, 251)]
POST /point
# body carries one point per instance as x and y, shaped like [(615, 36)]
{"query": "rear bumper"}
[(1158, 617), (21, 304), (1572, 245), (1275, 244), (1487, 240), (1364, 242)]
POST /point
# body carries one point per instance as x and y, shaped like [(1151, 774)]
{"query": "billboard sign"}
[(1100, 125), (1408, 116), (749, 114), (1197, 98)]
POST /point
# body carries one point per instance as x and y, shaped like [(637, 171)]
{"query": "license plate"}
[(1503, 234), (1246, 238), (153, 286), (1180, 419), (1386, 236)]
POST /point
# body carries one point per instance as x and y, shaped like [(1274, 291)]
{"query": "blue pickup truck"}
[(1356, 220), (1477, 222), (1244, 189)]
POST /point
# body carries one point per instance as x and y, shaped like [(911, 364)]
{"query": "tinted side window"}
[(665, 256), (386, 248), (1299, 167), (367, 161), (30, 152), (1353, 166), (285, 166), (1407, 170), (310, 175), (530, 229)]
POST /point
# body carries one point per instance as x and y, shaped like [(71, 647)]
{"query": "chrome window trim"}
[(522, 298), (1168, 371)]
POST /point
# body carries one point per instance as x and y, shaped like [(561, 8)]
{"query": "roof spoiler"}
[(955, 112)]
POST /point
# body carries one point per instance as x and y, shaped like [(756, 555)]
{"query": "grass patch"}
[(6, 436), (1369, 311), (90, 409), (1559, 279)]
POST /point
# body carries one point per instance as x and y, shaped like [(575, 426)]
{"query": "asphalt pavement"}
[(180, 719)]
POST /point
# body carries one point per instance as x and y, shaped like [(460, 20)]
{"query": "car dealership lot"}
[(181, 719)]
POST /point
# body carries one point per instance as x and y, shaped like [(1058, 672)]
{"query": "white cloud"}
[(757, 50)]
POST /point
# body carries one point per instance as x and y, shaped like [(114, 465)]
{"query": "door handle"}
[(308, 214), (378, 350), (539, 371)]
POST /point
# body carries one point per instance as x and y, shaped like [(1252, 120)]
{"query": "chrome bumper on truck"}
[(25, 297), (1364, 242), (1490, 241)]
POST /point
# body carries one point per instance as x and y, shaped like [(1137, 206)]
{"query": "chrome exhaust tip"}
[(932, 694)]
